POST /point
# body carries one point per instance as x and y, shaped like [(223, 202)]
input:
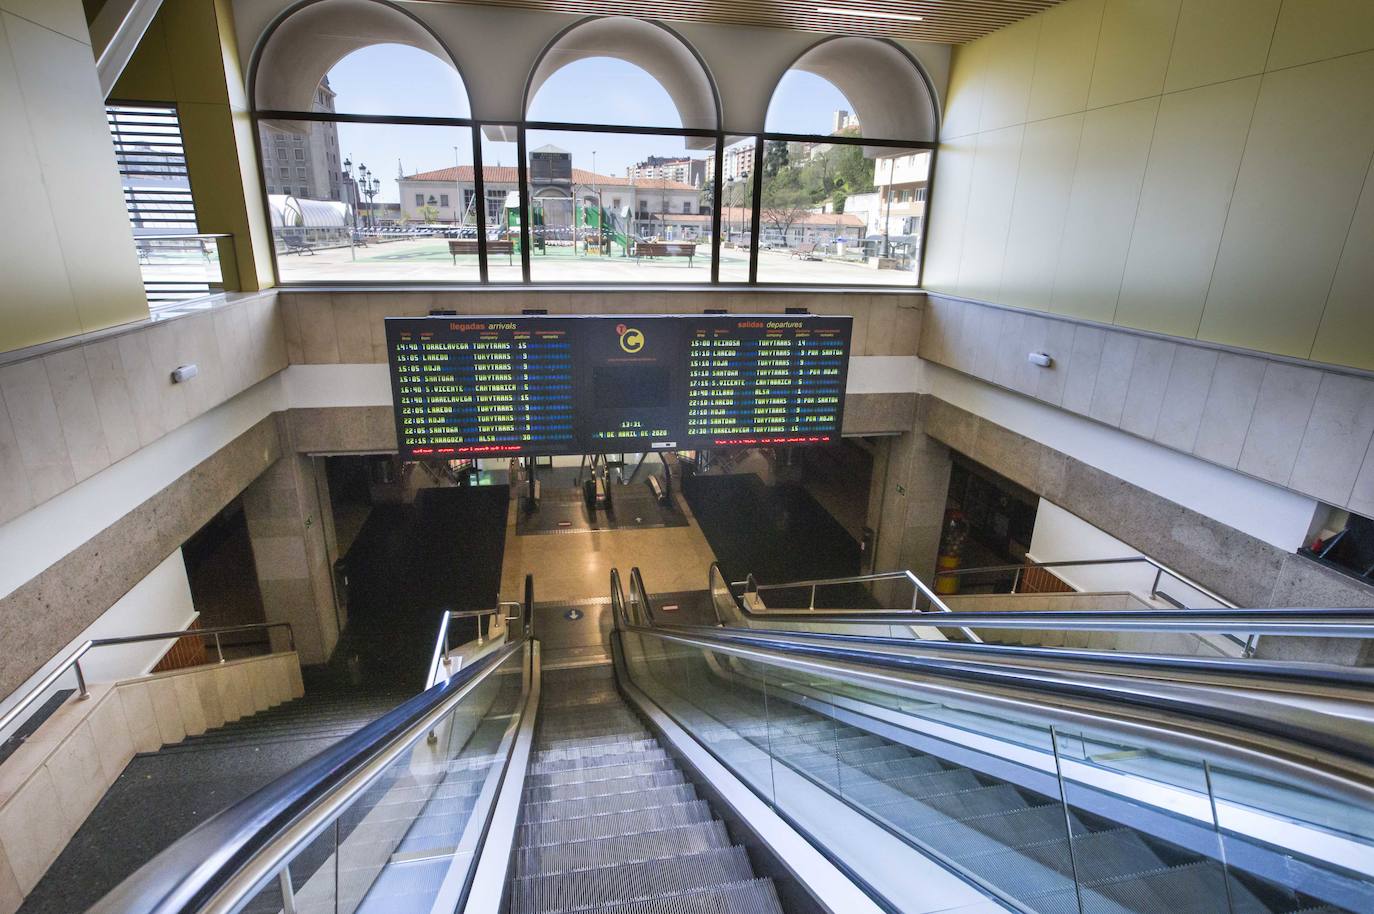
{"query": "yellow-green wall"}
[(67, 260), (189, 56), (1200, 168)]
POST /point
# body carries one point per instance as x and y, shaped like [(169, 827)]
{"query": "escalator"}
[(610, 823), (743, 768)]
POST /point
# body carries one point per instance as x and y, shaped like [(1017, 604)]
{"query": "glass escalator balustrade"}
[(1047, 820)]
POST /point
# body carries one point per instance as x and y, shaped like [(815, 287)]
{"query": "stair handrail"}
[(919, 589), (1155, 593), (72, 662)]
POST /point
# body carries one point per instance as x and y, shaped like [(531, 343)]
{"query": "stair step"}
[(648, 764), (633, 745), (757, 896), (596, 853), (618, 884)]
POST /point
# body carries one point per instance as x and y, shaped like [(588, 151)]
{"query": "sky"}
[(398, 80)]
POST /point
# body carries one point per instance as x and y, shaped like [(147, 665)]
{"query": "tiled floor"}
[(575, 566)]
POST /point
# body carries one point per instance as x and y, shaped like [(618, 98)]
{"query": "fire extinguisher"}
[(951, 549)]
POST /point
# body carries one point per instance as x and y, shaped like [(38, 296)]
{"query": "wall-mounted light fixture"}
[(1043, 359)]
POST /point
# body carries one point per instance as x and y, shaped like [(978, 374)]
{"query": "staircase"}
[(609, 823), (170, 791)]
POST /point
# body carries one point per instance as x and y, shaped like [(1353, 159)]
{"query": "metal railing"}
[(443, 649), (919, 589), (1155, 592), (72, 661)]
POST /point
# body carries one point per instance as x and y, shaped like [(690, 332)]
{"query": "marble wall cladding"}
[(1304, 427), (69, 411), (284, 513), (346, 327), (44, 614), (50, 785), (1245, 570)]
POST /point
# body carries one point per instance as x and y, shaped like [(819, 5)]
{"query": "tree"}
[(784, 201), (775, 158), (429, 214)]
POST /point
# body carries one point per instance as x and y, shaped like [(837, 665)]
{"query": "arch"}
[(652, 47), (890, 92), (300, 48)]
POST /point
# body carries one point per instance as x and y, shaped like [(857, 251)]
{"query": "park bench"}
[(666, 249), (458, 246), (805, 251), (296, 246)]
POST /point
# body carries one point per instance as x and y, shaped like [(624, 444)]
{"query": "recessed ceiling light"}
[(869, 14)]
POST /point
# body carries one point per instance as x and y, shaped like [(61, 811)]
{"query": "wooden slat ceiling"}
[(946, 21)]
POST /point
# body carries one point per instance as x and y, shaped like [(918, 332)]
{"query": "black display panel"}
[(481, 386)]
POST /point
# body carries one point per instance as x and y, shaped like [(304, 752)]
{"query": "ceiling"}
[(947, 21)]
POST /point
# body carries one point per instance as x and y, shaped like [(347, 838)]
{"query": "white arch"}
[(307, 42), (652, 48), (891, 96)]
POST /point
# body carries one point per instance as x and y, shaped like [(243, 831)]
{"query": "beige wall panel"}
[(954, 170), (37, 302), (1219, 40), (1346, 333), (1010, 64), (1199, 138), (149, 73), (1305, 161), (61, 92), (192, 44), (1132, 50), (1043, 182), (964, 100), (1310, 30), (1064, 60), (1102, 206), (65, 16), (989, 212)]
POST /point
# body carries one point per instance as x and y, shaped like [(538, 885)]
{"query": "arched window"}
[(629, 205), (846, 167), (360, 198)]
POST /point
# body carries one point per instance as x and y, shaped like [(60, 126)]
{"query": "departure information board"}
[(480, 386)]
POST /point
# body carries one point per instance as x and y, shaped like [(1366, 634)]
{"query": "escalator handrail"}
[(203, 865), (1315, 756), (1281, 670), (639, 594)]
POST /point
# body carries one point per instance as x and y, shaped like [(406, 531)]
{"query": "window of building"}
[(443, 200), (300, 153), (157, 195)]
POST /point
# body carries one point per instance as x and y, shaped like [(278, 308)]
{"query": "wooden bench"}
[(458, 246), (295, 246), (666, 249), (805, 251)]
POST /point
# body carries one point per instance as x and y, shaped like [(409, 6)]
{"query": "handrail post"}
[(812, 607), (80, 680), (1154, 588), (219, 649), (1016, 581), (288, 891)]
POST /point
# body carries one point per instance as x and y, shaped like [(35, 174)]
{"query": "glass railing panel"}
[(309, 881), (412, 833), (1322, 845)]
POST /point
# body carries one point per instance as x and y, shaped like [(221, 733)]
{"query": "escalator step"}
[(601, 852), (574, 760), (756, 896), (403, 887), (551, 755), (990, 834), (919, 785), (645, 763), (650, 879), (966, 804), (604, 788), (654, 818), (1194, 888), (601, 805)]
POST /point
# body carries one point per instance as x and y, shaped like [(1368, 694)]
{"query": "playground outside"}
[(428, 260)]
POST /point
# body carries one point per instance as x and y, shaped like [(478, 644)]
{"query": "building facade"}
[(305, 163)]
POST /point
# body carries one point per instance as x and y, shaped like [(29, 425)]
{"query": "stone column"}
[(910, 485), (287, 525)]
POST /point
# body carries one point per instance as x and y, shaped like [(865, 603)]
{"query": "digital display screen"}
[(481, 386)]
